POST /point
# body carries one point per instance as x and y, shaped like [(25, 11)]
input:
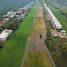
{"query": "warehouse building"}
[(56, 24)]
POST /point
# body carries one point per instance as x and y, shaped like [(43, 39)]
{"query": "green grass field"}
[(12, 52)]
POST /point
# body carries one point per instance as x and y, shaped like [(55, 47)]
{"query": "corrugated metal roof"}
[(53, 18)]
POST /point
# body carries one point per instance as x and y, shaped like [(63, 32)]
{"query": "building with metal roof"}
[(56, 24), (4, 35)]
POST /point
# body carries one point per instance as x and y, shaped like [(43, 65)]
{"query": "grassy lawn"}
[(12, 52)]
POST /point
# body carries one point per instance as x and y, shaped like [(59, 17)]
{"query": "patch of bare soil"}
[(36, 53)]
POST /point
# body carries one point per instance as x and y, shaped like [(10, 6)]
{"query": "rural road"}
[(37, 54)]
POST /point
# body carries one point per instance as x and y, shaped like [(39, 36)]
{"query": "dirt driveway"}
[(36, 53)]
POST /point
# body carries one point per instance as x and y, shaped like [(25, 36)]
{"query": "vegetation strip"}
[(57, 45), (13, 50)]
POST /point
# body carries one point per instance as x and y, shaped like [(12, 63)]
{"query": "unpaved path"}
[(36, 53)]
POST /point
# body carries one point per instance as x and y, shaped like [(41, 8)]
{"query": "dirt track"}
[(36, 52)]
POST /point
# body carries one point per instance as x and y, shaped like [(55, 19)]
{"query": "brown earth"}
[(36, 53)]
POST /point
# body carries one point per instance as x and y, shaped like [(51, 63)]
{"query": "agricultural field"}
[(13, 50)]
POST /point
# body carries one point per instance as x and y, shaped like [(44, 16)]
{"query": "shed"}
[(4, 35)]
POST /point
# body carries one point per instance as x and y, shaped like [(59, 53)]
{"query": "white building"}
[(56, 24), (4, 35)]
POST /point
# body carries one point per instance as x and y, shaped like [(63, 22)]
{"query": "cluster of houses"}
[(18, 14), (15, 14)]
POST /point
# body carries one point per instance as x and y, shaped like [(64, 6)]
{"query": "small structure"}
[(63, 32), (4, 35)]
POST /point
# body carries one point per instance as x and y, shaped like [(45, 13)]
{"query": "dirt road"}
[(36, 53)]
